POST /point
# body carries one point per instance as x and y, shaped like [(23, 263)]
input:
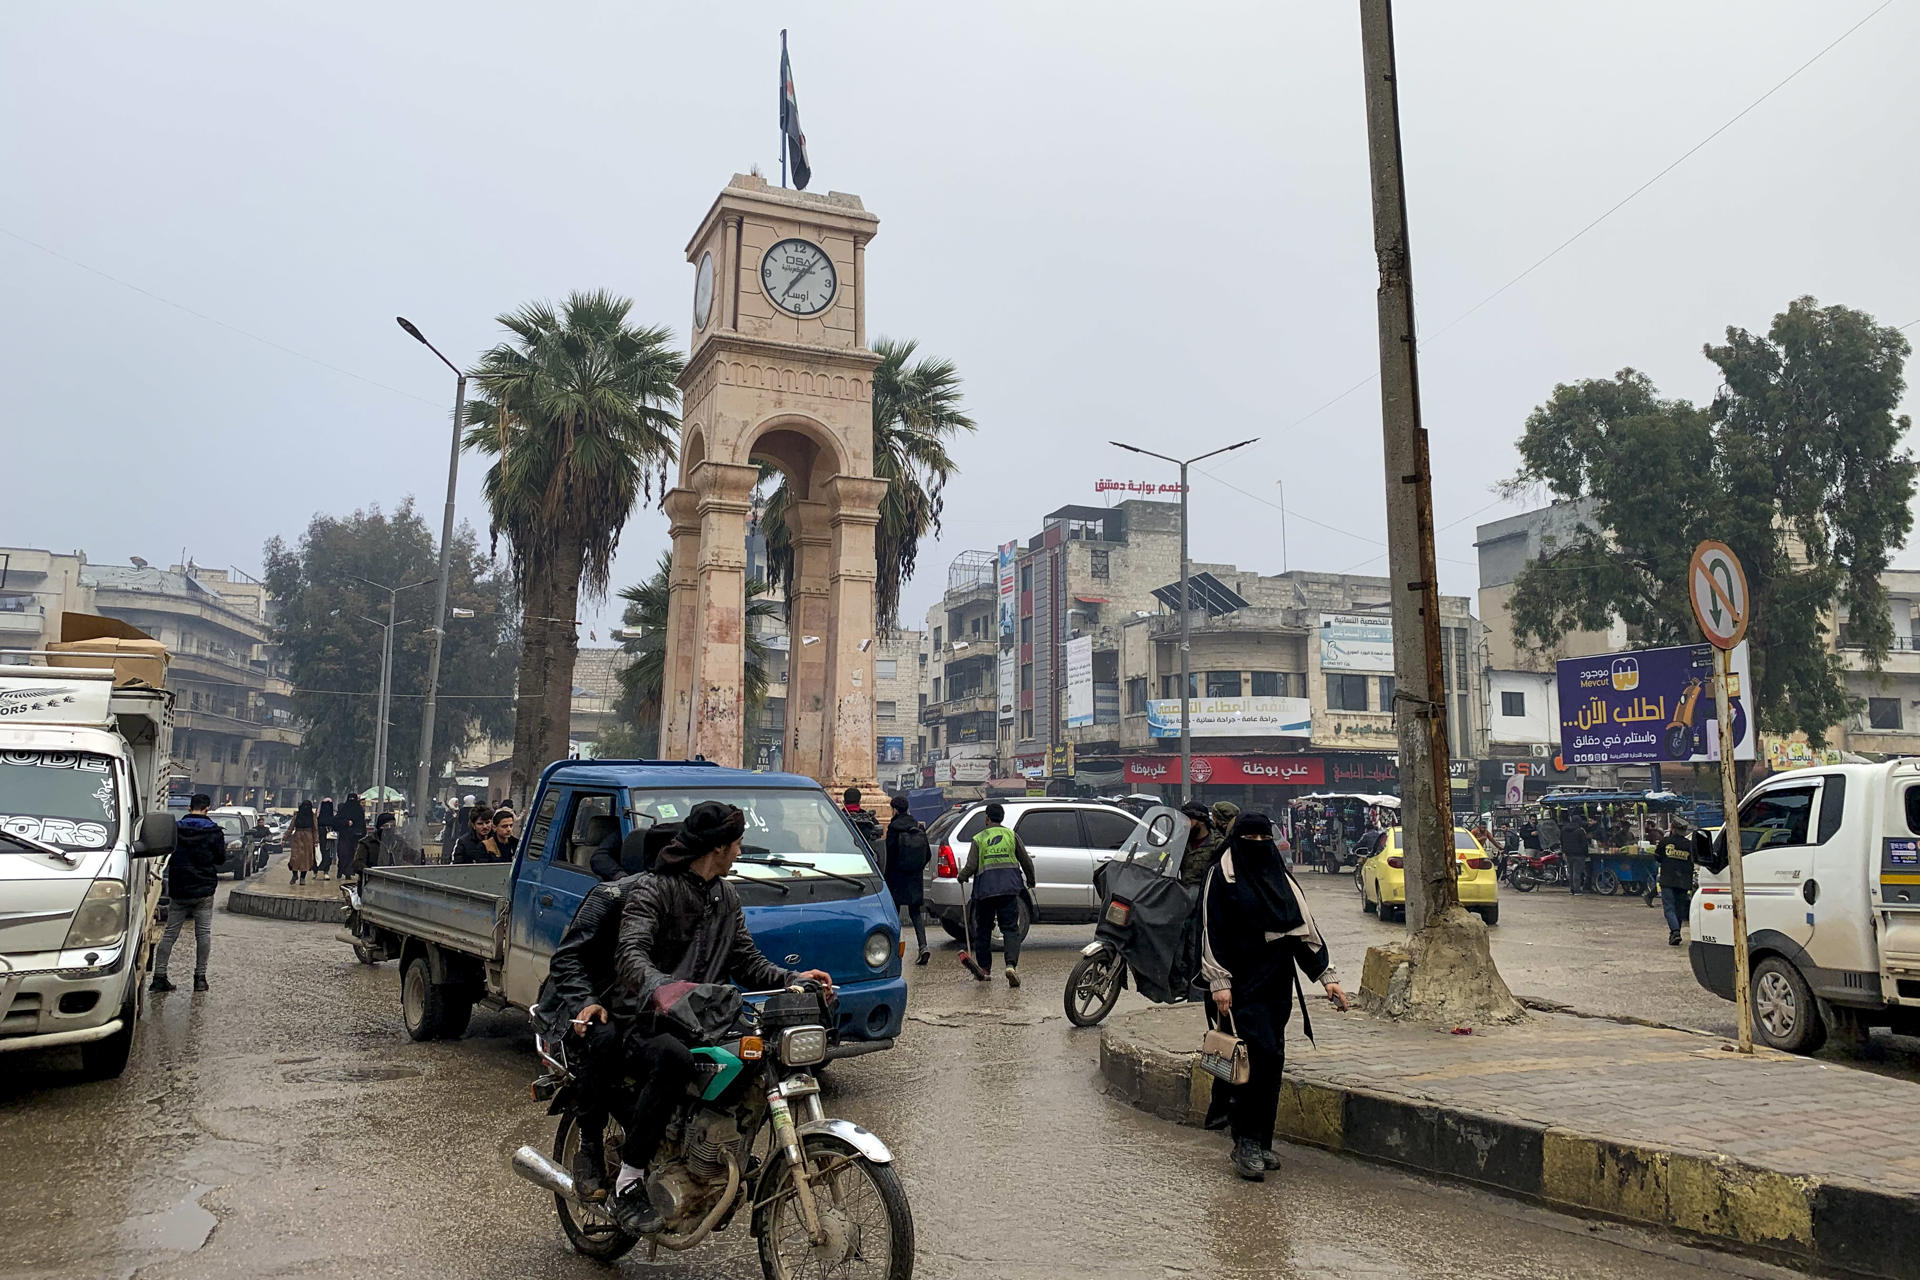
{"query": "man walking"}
[(996, 863), (1576, 844), (199, 850), (1674, 852)]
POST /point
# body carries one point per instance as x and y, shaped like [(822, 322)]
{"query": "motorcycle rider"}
[(679, 922)]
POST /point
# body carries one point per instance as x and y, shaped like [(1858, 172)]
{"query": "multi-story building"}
[(961, 715), (36, 587), (596, 690), (1888, 722), (234, 735), (896, 689), (1291, 687)]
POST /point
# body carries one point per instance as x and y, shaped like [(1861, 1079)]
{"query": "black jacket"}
[(471, 848), (676, 927), (199, 850), (869, 828), (1676, 861), (1575, 841), (583, 969)]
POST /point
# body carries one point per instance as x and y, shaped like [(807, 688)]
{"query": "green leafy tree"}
[(333, 653), (641, 681), (917, 410), (577, 407), (1797, 465)]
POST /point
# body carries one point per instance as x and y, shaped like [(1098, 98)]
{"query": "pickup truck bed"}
[(456, 907)]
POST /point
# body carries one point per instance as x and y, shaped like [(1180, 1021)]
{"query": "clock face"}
[(799, 277), (703, 292)]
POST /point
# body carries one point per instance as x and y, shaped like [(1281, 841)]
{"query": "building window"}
[(1513, 702), (920, 749), (1346, 693), (1026, 630), (1883, 713), (1137, 695), (1026, 726), (923, 702), (934, 735), (886, 668), (1386, 693), (1170, 685), (1223, 684), (936, 688), (1026, 677), (1269, 684), (1026, 577), (233, 756), (1097, 563), (885, 710), (936, 637)]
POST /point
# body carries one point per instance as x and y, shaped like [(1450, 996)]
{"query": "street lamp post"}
[(386, 677), (421, 780), (1186, 605)]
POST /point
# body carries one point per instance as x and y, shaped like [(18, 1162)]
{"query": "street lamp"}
[(420, 781), (386, 676), (1186, 620)]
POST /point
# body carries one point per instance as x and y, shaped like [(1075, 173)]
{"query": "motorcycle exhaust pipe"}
[(543, 1173)]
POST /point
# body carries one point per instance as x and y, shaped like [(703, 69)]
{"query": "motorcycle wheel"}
[(863, 1209), (1093, 988), (590, 1231), (1679, 742), (1523, 881)]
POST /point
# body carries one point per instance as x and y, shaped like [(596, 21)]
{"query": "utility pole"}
[(1420, 712), (1186, 607)]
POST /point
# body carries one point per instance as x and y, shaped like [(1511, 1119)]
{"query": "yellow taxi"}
[(1382, 878)]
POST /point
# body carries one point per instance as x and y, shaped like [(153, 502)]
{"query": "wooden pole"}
[(1420, 715), (1736, 874)]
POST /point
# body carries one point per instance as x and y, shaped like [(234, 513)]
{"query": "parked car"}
[(1383, 877), (246, 854), (1067, 840)]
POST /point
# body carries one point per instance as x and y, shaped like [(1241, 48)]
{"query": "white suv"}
[(1067, 839)]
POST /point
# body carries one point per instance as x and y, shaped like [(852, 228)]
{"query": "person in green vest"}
[(997, 863)]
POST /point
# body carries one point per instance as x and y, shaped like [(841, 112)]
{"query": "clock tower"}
[(778, 373)]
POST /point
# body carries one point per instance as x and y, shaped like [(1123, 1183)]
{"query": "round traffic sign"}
[(1717, 585)]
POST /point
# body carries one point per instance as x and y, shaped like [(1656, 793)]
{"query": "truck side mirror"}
[(155, 837), (1710, 851)]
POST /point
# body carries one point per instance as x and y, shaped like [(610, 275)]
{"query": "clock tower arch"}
[(778, 373)]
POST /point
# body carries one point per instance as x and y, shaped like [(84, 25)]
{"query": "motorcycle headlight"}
[(879, 949), (803, 1046), (101, 920)]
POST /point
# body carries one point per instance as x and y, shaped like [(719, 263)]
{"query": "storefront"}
[(1263, 781)]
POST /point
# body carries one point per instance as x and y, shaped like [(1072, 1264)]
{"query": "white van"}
[(83, 835), (1832, 863)]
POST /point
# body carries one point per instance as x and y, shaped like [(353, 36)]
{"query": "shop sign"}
[(1795, 752), (1356, 642), (1358, 771), (1232, 717), (1231, 771)]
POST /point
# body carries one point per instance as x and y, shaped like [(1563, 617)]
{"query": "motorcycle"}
[(1534, 870), (823, 1200), (1141, 934)]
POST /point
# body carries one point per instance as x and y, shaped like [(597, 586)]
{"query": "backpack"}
[(911, 851)]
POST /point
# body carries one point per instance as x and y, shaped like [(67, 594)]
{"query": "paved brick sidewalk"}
[(1786, 1155)]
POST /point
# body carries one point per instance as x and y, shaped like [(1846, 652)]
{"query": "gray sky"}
[(1144, 222)]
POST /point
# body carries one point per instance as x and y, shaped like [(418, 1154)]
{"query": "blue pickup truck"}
[(483, 933)]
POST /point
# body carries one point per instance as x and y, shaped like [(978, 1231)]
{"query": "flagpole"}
[(783, 108)]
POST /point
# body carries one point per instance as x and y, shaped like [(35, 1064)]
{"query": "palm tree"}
[(577, 407), (642, 680), (916, 410)]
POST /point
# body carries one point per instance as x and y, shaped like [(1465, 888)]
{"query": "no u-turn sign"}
[(1717, 586)]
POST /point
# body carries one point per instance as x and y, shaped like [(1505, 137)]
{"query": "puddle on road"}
[(353, 1075), (184, 1228)]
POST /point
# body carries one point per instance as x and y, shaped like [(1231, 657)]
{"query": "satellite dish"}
[(138, 563)]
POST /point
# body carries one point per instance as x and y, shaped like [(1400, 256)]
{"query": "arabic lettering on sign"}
[(1263, 717), (1648, 706), (1275, 771), (1133, 486)]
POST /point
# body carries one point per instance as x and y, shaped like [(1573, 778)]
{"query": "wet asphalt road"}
[(283, 1125)]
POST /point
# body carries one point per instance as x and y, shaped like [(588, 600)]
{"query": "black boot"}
[(1248, 1160), (1271, 1158), (590, 1172), (1673, 939)]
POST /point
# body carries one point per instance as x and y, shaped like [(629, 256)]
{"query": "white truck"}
[(1832, 867), (83, 840)]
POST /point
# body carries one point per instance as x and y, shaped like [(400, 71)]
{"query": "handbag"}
[(1223, 1054)]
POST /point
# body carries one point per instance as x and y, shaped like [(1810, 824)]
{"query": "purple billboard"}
[(1649, 706)]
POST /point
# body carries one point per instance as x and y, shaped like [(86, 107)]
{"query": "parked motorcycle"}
[(1537, 869), (823, 1200)]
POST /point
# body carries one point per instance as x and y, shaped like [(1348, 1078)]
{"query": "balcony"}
[(1270, 621), (21, 623), (980, 701)]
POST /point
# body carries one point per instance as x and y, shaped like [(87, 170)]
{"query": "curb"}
[(274, 906), (1851, 1229)]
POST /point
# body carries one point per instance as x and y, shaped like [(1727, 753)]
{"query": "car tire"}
[(1785, 1015), (1491, 915), (431, 1010), (107, 1059), (955, 927), (1366, 903)]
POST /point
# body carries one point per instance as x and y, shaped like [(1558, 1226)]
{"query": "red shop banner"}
[(1231, 771)]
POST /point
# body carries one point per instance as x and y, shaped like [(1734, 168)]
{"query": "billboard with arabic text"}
[(1650, 706), (1232, 717)]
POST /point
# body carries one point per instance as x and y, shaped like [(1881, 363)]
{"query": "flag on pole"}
[(792, 139)]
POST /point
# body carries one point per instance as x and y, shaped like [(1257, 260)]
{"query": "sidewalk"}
[(269, 894), (1806, 1161)]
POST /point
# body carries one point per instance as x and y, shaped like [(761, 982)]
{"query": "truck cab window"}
[(1833, 803), (536, 836), (1776, 818), (591, 821)]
